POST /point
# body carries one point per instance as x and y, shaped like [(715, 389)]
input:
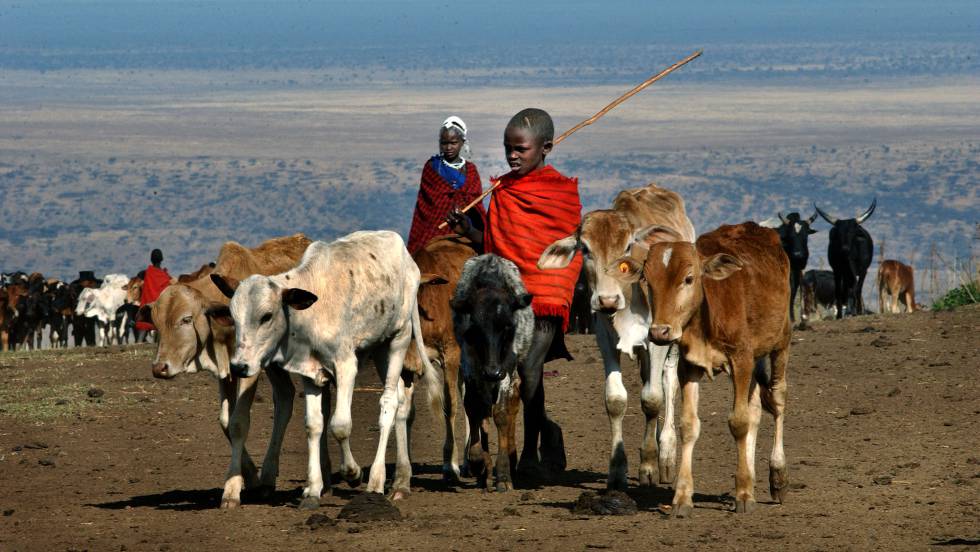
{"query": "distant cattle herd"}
[(459, 323)]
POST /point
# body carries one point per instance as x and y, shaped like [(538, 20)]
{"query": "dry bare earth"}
[(881, 439)]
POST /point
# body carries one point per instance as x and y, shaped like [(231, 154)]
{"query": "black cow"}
[(494, 326), (850, 252), (817, 291), (794, 234), (62, 304)]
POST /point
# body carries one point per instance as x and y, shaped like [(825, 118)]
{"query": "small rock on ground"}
[(317, 521)]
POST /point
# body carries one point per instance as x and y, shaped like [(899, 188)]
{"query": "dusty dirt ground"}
[(882, 441)]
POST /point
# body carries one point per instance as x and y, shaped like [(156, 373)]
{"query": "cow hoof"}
[(646, 476), (229, 503), (354, 478), (778, 485), (504, 486), (617, 484), (682, 511), (309, 503), (400, 493), (667, 474), (449, 475), (744, 506)]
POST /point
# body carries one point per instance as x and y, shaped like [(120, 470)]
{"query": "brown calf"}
[(897, 280), (725, 299), (189, 341), (622, 320), (443, 256)]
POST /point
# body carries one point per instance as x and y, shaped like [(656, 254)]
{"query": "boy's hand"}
[(459, 222)]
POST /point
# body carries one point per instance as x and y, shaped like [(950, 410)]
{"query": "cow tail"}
[(761, 376), (431, 378)]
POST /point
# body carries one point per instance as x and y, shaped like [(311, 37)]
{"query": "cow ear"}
[(522, 301), (811, 231), (626, 269), (721, 266), (656, 233), (559, 254), (298, 299), (220, 314), (429, 279), (226, 284)]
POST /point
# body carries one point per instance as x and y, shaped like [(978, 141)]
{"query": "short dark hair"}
[(537, 121), (156, 256)]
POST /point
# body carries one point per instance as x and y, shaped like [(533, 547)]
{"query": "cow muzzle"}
[(493, 374), (607, 304), (660, 334), (161, 370), (239, 369)]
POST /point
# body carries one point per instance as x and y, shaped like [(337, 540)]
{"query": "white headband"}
[(456, 123)]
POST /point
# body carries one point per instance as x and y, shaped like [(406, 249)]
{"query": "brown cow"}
[(443, 256), (622, 319), (725, 299), (189, 341), (897, 280), (205, 270)]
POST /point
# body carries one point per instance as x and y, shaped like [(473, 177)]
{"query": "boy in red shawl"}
[(155, 280), (533, 206), (448, 182)]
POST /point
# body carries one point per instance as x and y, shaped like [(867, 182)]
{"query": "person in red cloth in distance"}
[(155, 280), (534, 206), (449, 181)]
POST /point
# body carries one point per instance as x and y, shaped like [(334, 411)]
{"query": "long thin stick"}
[(594, 118)]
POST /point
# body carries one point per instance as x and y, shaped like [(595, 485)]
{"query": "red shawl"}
[(526, 215), (155, 280), (436, 199)]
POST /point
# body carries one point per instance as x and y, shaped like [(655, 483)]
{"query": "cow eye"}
[(265, 318), (689, 280), (187, 320)]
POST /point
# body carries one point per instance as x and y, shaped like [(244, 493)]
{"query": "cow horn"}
[(782, 219), (825, 216), (866, 214), (812, 218)]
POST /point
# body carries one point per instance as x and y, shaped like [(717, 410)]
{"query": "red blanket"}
[(436, 199), (526, 215), (155, 280)]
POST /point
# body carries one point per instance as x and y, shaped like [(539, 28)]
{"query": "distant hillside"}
[(60, 216)]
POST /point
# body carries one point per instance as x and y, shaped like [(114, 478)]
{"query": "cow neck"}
[(696, 339)]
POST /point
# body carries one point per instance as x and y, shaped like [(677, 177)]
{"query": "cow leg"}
[(794, 283), (401, 486), (340, 422), (657, 400), (314, 431), (616, 399), (283, 392), (390, 402), (774, 401), (451, 390), (505, 418), (858, 296), (743, 422), (239, 469), (478, 459), (683, 502), (839, 293)]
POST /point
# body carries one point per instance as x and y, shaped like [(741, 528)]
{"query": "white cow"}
[(348, 300), (623, 321), (101, 303)]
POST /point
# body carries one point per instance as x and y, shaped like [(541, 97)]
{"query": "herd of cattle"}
[(459, 324)]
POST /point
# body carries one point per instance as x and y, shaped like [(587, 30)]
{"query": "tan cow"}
[(623, 319), (205, 270), (897, 280), (444, 256), (725, 300), (189, 342)]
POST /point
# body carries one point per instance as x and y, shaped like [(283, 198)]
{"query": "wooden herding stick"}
[(593, 119)]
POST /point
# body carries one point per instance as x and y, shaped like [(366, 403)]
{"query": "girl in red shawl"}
[(448, 182), (534, 206)]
